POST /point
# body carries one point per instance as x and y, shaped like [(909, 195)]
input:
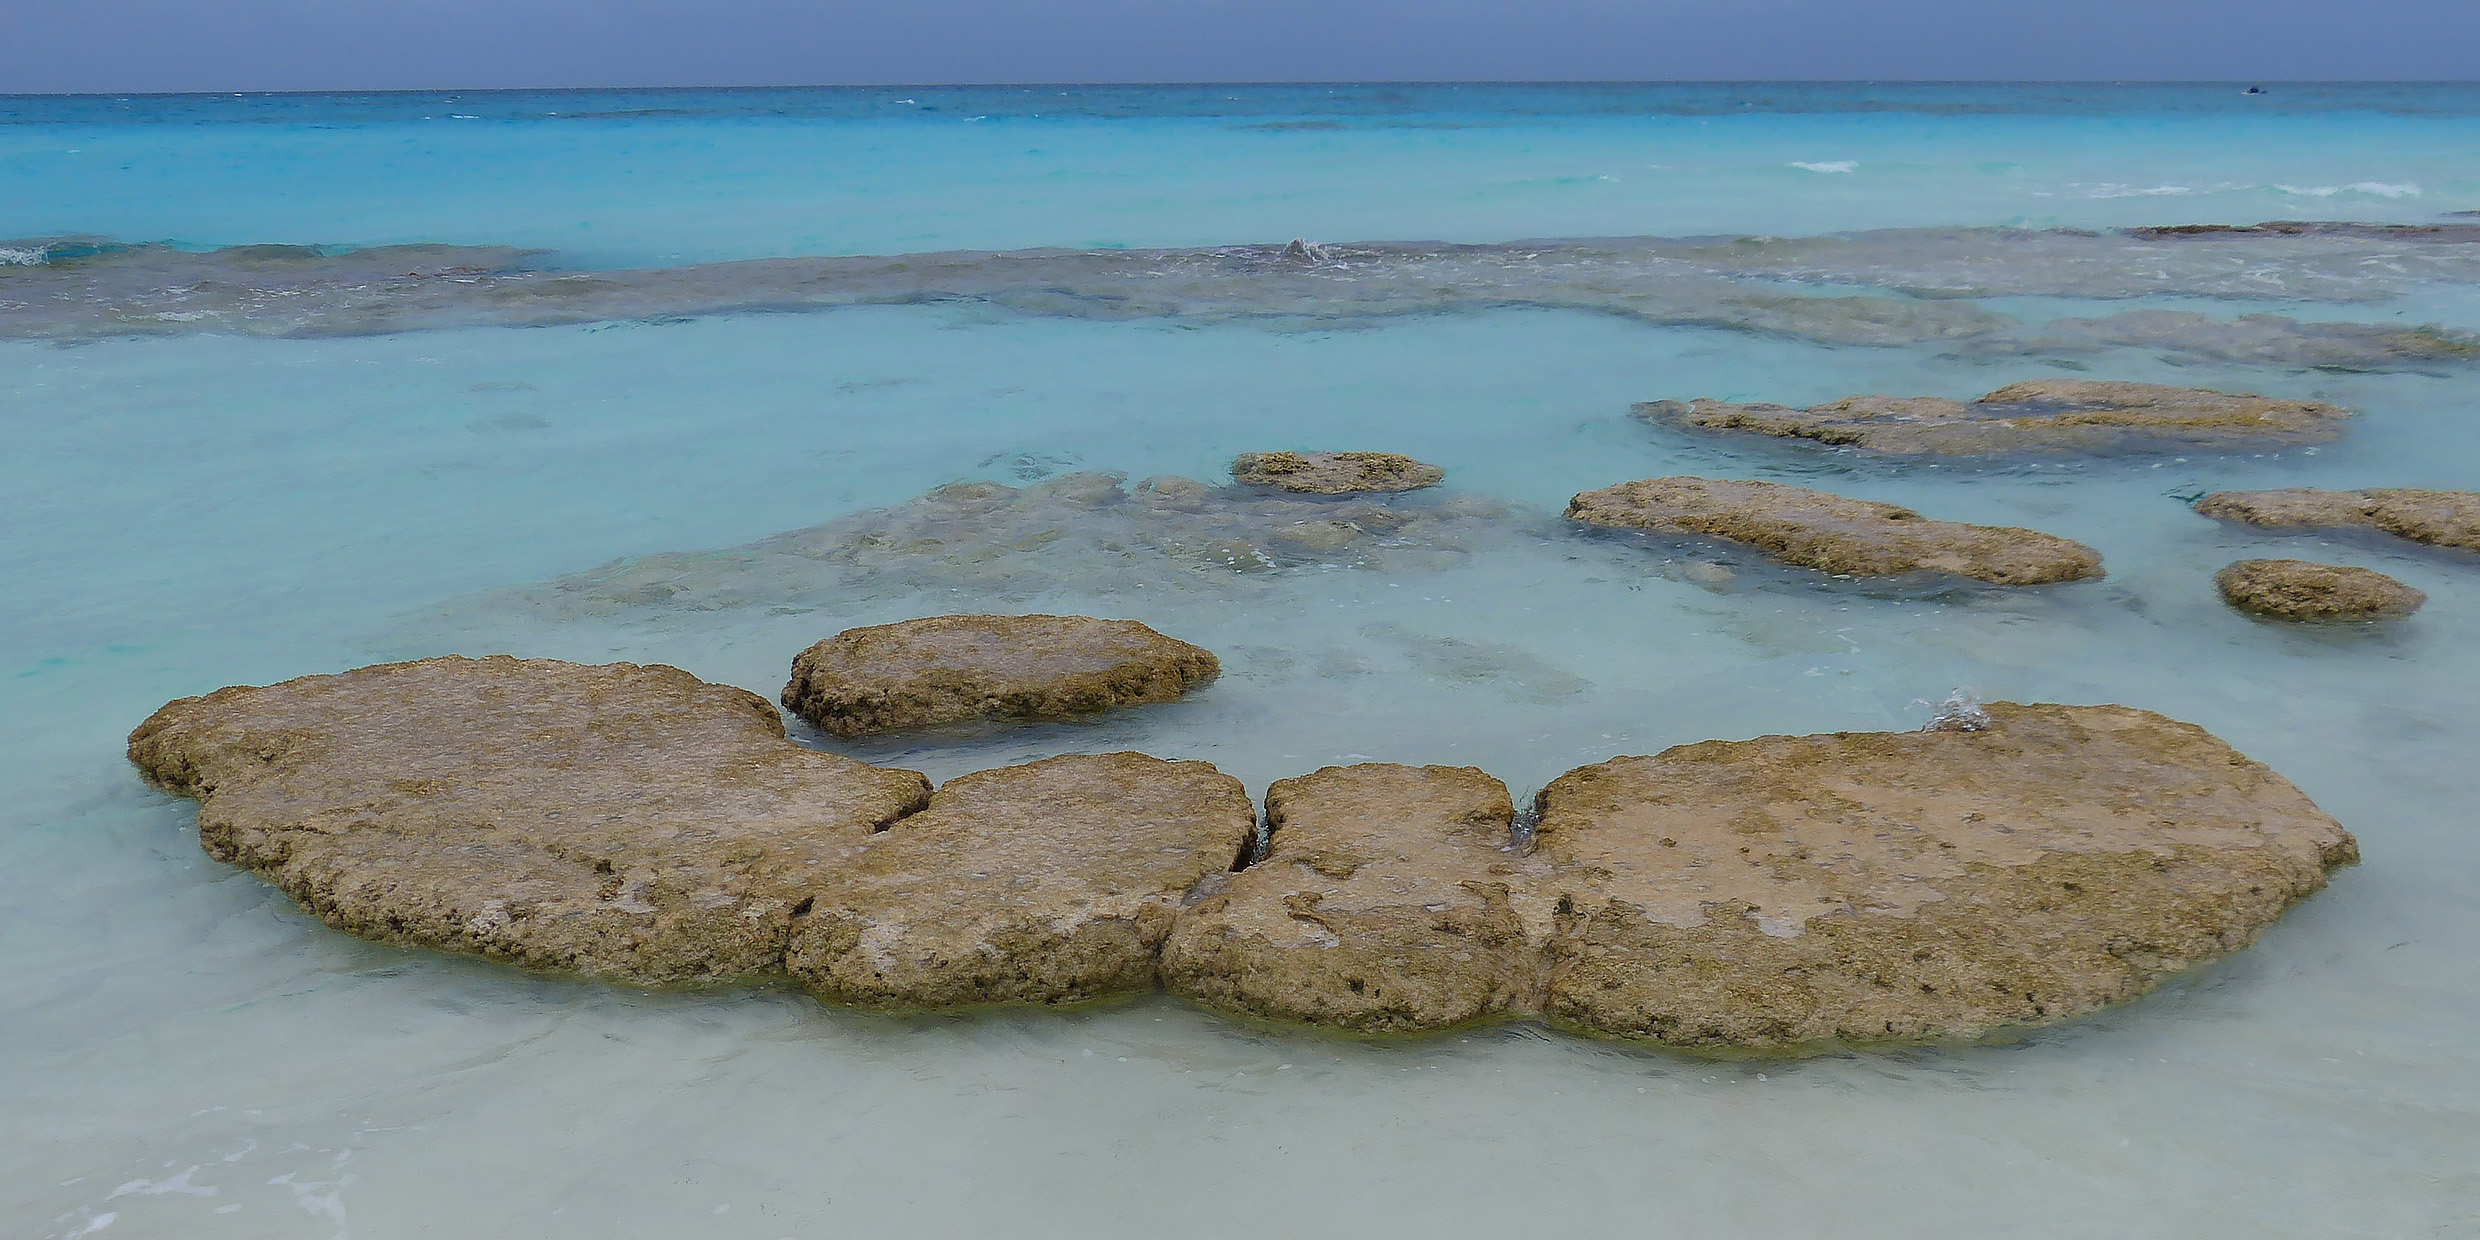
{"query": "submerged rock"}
[(2045, 415), (2437, 518), (1835, 534), (1389, 900), (633, 823), (2257, 339), (1089, 533), (1047, 883), (2303, 590), (1794, 890), (1334, 473), (946, 669)]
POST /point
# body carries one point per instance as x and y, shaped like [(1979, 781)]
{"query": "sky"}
[(110, 46)]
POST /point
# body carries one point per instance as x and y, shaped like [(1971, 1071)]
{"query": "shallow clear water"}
[(289, 483)]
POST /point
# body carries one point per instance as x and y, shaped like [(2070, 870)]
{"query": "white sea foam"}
[(2136, 191), (24, 257), (2379, 189), (1831, 165)]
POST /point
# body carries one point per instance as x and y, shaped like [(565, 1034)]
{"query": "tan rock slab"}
[(2437, 518), (2044, 415), (1797, 890), (1334, 473), (1047, 883), (1389, 900), (2305, 590), (1835, 534), (948, 669), (632, 823)]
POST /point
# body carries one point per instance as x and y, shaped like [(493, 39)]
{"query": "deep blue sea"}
[(294, 383)]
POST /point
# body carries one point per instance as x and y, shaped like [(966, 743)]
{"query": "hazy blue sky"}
[(134, 45)]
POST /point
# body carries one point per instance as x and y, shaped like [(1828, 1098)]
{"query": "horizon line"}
[(1269, 83)]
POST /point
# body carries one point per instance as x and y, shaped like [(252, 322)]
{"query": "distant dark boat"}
[(2253, 90)]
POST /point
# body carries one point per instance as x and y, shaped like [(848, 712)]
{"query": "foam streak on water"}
[(292, 384)]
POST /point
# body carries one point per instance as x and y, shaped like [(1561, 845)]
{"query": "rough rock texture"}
[(1792, 890), (2303, 590), (1389, 900), (1051, 882), (2438, 518), (629, 822), (1815, 529), (2045, 415), (1334, 473), (945, 669)]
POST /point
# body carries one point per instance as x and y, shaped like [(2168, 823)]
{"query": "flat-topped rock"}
[(1334, 473), (2438, 518), (948, 669), (1047, 883), (1389, 900), (1835, 534), (632, 823), (1796, 890), (2305, 590), (2044, 415)]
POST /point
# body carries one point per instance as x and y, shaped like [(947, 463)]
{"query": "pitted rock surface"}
[(1797, 890), (1334, 473), (2043, 415), (1047, 883), (947, 669), (2437, 518), (2305, 590), (1389, 900), (1835, 534), (632, 823)]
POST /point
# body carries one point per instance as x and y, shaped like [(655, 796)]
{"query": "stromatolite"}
[(946, 669), (629, 822), (2438, 518), (2012, 866), (1051, 882), (1835, 534), (1863, 887), (1334, 473), (2304, 590), (2043, 415), (1390, 899)]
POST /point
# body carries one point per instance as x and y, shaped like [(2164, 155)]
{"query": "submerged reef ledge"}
[(2008, 867), (1886, 288)]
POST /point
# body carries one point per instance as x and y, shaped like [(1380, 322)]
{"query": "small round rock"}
[(2305, 590), (950, 669), (1335, 473)]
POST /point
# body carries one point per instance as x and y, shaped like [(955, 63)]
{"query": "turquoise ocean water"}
[(632, 326)]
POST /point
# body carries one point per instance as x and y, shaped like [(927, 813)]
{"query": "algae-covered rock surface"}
[(1859, 887), (2306, 590), (1051, 882), (1833, 533), (1334, 473), (2039, 416), (1390, 899), (633, 823), (947, 669), (2436, 518)]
